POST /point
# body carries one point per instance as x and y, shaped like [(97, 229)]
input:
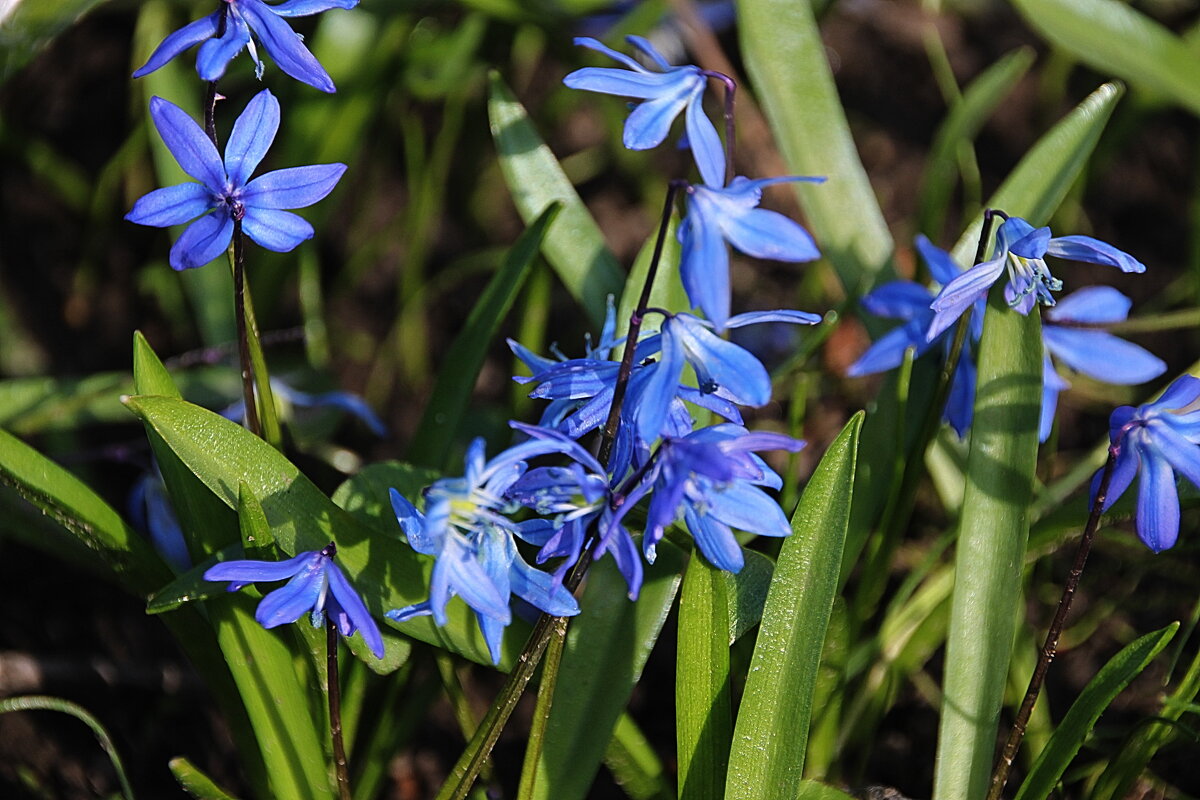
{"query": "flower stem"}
[(730, 132), (334, 691), (210, 94), (1050, 646), (239, 301)]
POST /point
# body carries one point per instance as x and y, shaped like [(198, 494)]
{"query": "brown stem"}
[(334, 691), (1050, 647)]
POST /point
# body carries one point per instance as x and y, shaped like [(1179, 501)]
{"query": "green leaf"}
[(383, 568), (811, 790), (29, 25), (607, 647), (703, 713), (464, 358), (993, 530), (1117, 40), (195, 782), (785, 59), (574, 246), (633, 763), (365, 495), (771, 734), (1101, 690), (746, 592)]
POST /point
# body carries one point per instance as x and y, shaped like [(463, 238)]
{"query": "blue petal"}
[(280, 231), (248, 571), (748, 508), (704, 265), (301, 594), (1102, 356), (1182, 455), (295, 187), (661, 387), (960, 294), (191, 34), (305, 8), (1182, 393), (643, 44), (172, 205), (648, 124), (1052, 385), (346, 401), (1124, 471), (1031, 244), (592, 44), (715, 540), (285, 46), (1158, 505), (1093, 251), (898, 300), (203, 240), (190, 146), (412, 522), (743, 376), (1095, 305), (605, 80), (888, 351), (410, 612), (782, 315), (713, 402), (354, 615), (214, 55), (540, 590), (767, 234), (493, 635), (705, 142), (628, 559), (960, 406), (942, 266), (252, 135)]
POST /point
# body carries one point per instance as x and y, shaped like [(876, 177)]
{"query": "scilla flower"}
[(226, 31), (225, 193), (1158, 439), (316, 585), (1021, 250)]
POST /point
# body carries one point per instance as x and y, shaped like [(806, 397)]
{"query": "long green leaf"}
[(771, 734), (387, 572), (606, 649), (634, 765), (703, 716), (786, 63), (195, 782), (464, 358), (30, 24), (574, 245), (1101, 690), (1117, 40)]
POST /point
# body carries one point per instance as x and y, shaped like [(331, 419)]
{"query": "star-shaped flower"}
[(1021, 250), (731, 214), (225, 192), (1159, 439), (315, 584), (240, 19), (665, 93)]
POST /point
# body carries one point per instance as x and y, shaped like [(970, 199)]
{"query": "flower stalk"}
[(333, 687)]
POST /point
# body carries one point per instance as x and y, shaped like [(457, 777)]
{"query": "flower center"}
[(1028, 276)]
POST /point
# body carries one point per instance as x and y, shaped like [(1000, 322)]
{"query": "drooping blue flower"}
[(349, 402), (1157, 439), (465, 529), (731, 214), (1021, 250), (908, 301), (241, 18), (225, 192), (712, 477), (315, 585), (150, 510), (1070, 338), (665, 94)]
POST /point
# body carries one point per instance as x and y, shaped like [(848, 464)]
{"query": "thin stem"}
[(541, 714), (210, 94), (334, 691), (239, 301), (1050, 646), (730, 132)]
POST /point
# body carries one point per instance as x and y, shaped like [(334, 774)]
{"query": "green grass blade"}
[(786, 63), (464, 358), (30, 25), (195, 782), (607, 647), (1117, 40), (1096, 697), (703, 714), (771, 734), (634, 765), (993, 529), (574, 246)]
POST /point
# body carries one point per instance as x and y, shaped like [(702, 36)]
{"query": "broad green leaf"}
[(746, 593), (383, 568), (195, 782), (634, 765), (1117, 40), (574, 246), (607, 647), (27, 26), (993, 530), (771, 734), (464, 357), (811, 790), (703, 713), (786, 63), (264, 397), (365, 495), (1101, 690)]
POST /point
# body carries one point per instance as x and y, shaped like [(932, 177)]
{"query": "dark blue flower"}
[(1021, 250), (665, 94), (1158, 439), (243, 18), (712, 477), (731, 214), (225, 192), (1070, 338), (315, 584)]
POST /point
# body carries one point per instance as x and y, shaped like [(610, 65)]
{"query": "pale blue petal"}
[(648, 124), (1026, 241), (1095, 305), (960, 294), (252, 135), (305, 8), (715, 540), (189, 35), (493, 635), (781, 315), (1124, 471), (768, 234), (249, 571), (412, 522), (704, 265), (651, 410), (942, 266), (190, 146), (285, 46), (1158, 505), (349, 613), (592, 44), (619, 82), (643, 44), (173, 205), (1052, 385), (540, 590), (423, 609), (1182, 455), (960, 406), (203, 240), (279, 231), (705, 142), (749, 509), (1093, 251), (1184, 391), (294, 187), (1102, 356), (724, 364)]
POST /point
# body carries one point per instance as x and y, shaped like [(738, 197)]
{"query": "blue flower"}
[(908, 301), (1021, 250), (465, 529), (1090, 350), (225, 192), (241, 18), (1159, 439), (349, 402), (150, 511), (666, 93), (315, 585), (711, 477), (731, 214)]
